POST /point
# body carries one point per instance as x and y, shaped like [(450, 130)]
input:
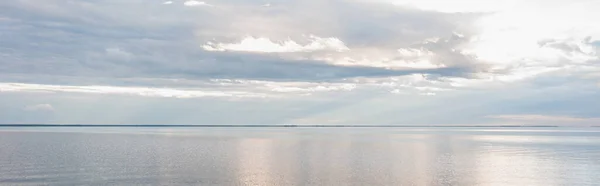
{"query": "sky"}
[(397, 62)]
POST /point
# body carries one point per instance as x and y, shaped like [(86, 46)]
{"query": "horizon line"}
[(269, 125)]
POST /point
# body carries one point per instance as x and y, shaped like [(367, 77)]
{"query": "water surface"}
[(299, 156)]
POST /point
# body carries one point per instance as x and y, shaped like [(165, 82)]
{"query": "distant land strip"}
[(266, 126)]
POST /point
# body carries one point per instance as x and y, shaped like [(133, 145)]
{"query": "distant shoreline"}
[(273, 126)]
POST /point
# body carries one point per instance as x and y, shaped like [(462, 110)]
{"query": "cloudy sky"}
[(418, 62)]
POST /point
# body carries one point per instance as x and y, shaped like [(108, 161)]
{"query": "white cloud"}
[(265, 45), (396, 91), (524, 73), (168, 2), (39, 107), (195, 3), (242, 88), (314, 88), (428, 94), (137, 91), (414, 53), (383, 63), (416, 84), (457, 6), (215, 88), (512, 35), (404, 58), (520, 40), (118, 53), (287, 87), (429, 53), (432, 89)]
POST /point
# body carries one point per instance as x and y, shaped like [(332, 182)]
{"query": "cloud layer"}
[(425, 53), (39, 107)]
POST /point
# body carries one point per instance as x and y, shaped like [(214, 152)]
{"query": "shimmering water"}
[(300, 156)]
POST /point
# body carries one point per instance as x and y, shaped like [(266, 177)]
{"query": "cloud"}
[(548, 119), (265, 45), (429, 53), (530, 51), (428, 94), (137, 91), (195, 3), (509, 37), (234, 88), (287, 87), (432, 89), (404, 58), (173, 42), (215, 88), (457, 7), (117, 53), (39, 107)]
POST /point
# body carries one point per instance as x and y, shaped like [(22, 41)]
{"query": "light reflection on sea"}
[(300, 156)]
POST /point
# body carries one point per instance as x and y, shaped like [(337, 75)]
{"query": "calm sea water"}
[(300, 156)]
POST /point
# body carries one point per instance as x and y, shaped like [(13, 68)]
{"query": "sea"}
[(299, 156)]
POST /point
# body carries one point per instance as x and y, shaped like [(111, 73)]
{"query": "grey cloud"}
[(147, 39), (245, 65), (358, 23), (448, 51), (567, 47), (145, 43), (573, 46)]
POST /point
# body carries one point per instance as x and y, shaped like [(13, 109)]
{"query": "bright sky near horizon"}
[(464, 62)]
